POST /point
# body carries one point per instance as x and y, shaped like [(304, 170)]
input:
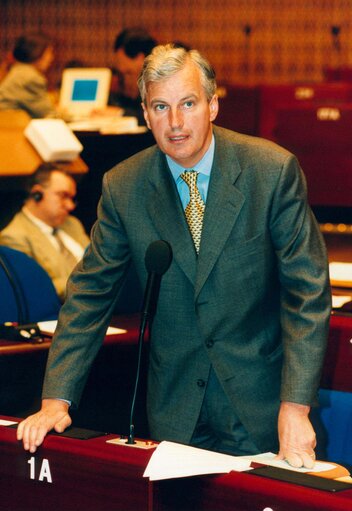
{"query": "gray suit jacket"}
[(25, 88), (22, 234), (255, 304)]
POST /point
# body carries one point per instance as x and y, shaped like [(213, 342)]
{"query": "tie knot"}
[(190, 178)]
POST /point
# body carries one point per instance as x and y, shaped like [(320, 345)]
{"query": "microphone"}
[(157, 260)]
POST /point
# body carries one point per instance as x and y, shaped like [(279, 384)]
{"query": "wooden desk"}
[(71, 475), (243, 491), (18, 156), (107, 396), (106, 400), (92, 475), (18, 160)]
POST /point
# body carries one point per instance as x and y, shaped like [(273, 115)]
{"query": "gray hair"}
[(166, 60)]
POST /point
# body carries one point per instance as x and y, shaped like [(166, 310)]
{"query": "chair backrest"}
[(27, 293), (319, 136), (333, 425)]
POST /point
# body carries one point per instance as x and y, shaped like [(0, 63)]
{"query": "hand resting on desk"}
[(53, 415), (296, 435)]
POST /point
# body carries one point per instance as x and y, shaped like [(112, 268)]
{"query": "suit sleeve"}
[(305, 290), (91, 293)]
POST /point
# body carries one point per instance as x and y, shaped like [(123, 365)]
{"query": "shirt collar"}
[(47, 229), (203, 166)]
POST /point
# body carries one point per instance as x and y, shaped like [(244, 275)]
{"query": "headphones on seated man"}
[(36, 196)]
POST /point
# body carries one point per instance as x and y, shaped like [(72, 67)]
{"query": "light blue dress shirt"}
[(204, 169)]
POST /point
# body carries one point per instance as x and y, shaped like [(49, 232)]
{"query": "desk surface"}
[(72, 474), (129, 323), (338, 360)]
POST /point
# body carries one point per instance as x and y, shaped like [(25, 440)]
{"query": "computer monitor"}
[(84, 90)]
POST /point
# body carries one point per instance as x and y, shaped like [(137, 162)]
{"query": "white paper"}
[(4, 422), (268, 458), (340, 300), (49, 327), (340, 272), (171, 460)]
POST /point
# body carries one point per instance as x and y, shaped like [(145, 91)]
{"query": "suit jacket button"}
[(201, 383), (210, 343)]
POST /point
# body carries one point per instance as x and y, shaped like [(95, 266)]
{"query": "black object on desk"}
[(303, 479)]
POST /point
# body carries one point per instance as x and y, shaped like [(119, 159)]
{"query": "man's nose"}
[(70, 204), (175, 118)]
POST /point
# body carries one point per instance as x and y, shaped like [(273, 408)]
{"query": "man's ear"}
[(214, 107), (36, 193), (146, 116)]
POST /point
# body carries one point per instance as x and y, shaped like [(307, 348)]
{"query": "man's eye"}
[(160, 108), (188, 104)]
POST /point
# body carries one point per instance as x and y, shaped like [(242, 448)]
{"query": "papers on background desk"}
[(171, 460), (341, 274), (49, 327), (108, 125), (340, 300)]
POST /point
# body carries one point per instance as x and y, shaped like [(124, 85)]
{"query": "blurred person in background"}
[(25, 86), (44, 229), (131, 47)]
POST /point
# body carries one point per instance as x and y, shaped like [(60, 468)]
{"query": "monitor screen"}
[(84, 90)]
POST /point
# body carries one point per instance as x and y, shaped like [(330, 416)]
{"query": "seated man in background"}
[(131, 47), (25, 86), (44, 228)]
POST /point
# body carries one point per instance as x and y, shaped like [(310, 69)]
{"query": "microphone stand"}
[(148, 311), (158, 258), (143, 325)]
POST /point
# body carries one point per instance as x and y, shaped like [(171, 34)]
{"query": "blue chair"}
[(27, 294), (333, 425)]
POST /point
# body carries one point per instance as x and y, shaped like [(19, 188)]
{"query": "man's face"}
[(178, 113), (58, 199), (129, 69)]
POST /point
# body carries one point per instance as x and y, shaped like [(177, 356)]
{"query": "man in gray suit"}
[(239, 335)]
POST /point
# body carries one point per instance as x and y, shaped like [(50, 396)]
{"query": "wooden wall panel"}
[(248, 41)]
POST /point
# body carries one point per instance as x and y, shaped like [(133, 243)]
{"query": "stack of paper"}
[(341, 274), (171, 460)]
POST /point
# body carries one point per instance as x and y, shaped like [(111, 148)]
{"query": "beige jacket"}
[(22, 234)]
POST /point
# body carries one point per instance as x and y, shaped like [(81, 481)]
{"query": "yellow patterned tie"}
[(195, 208)]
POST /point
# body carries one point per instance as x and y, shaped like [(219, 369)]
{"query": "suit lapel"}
[(42, 248), (166, 212), (224, 202)]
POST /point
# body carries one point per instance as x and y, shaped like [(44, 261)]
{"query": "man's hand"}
[(53, 415), (296, 435)]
